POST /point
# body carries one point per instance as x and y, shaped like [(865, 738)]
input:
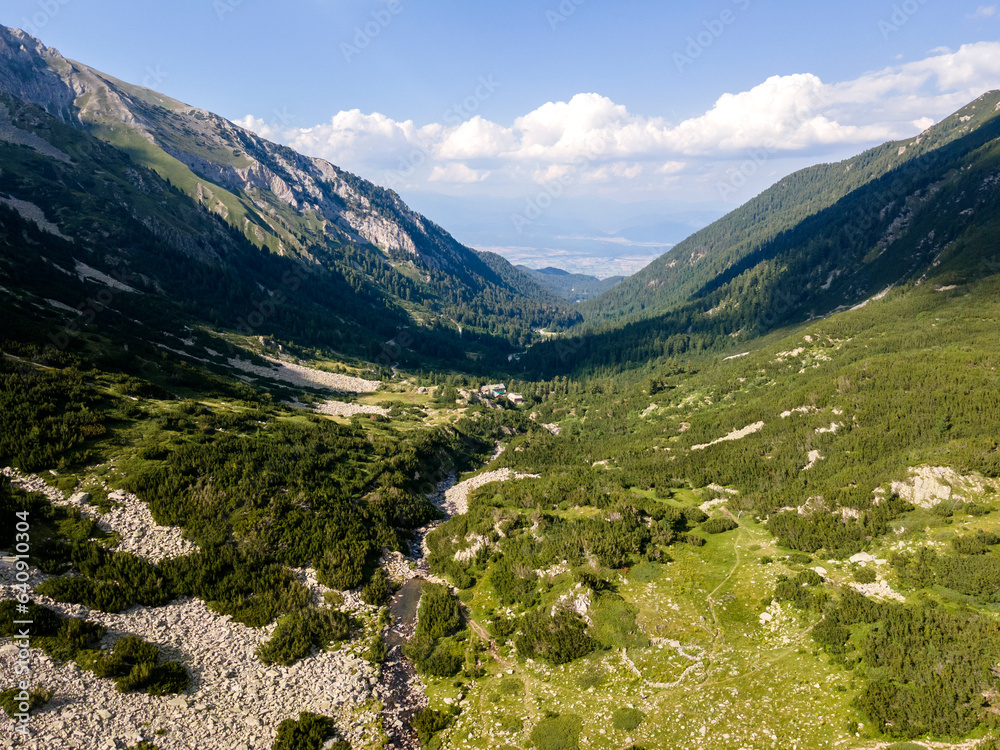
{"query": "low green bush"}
[(439, 614), (557, 732), (694, 539), (627, 719), (428, 722), (377, 651), (439, 658), (865, 575), (37, 696), (554, 638), (309, 732), (298, 633), (377, 590), (719, 525)]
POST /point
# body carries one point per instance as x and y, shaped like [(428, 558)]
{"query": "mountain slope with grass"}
[(858, 208), (281, 202), (822, 240)]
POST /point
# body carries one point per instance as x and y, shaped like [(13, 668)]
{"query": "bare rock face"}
[(28, 69), (929, 485)]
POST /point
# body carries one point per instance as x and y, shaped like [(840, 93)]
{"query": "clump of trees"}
[(309, 732), (556, 638), (925, 670), (719, 525), (299, 633), (435, 648)]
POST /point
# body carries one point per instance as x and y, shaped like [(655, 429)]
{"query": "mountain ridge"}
[(678, 275), (281, 201)]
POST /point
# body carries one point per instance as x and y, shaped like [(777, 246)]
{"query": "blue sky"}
[(681, 105)]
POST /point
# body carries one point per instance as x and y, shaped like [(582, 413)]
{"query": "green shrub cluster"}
[(436, 647), (439, 614), (839, 536), (512, 588), (51, 418), (554, 638), (440, 658), (309, 732), (864, 575), (801, 590), (719, 525), (298, 633), (974, 572), (111, 581), (977, 544), (132, 663), (427, 722), (37, 696), (61, 638), (924, 670), (54, 529), (377, 590), (627, 719), (556, 732)]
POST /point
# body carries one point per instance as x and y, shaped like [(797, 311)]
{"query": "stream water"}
[(399, 688)]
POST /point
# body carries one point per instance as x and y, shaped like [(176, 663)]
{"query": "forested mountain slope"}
[(281, 202), (859, 202), (909, 213)]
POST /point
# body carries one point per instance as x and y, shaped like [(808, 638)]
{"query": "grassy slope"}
[(758, 686), (708, 254)]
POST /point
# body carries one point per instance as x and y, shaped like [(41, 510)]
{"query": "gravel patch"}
[(234, 701), (131, 520), (343, 409), (734, 435), (306, 377)]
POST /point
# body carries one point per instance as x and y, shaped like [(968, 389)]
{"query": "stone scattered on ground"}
[(879, 590), (233, 701), (343, 409), (130, 519), (306, 377)]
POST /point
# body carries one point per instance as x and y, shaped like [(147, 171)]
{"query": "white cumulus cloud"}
[(591, 140)]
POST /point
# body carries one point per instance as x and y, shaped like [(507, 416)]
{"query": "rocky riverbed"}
[(401, 689), (233, 701)]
